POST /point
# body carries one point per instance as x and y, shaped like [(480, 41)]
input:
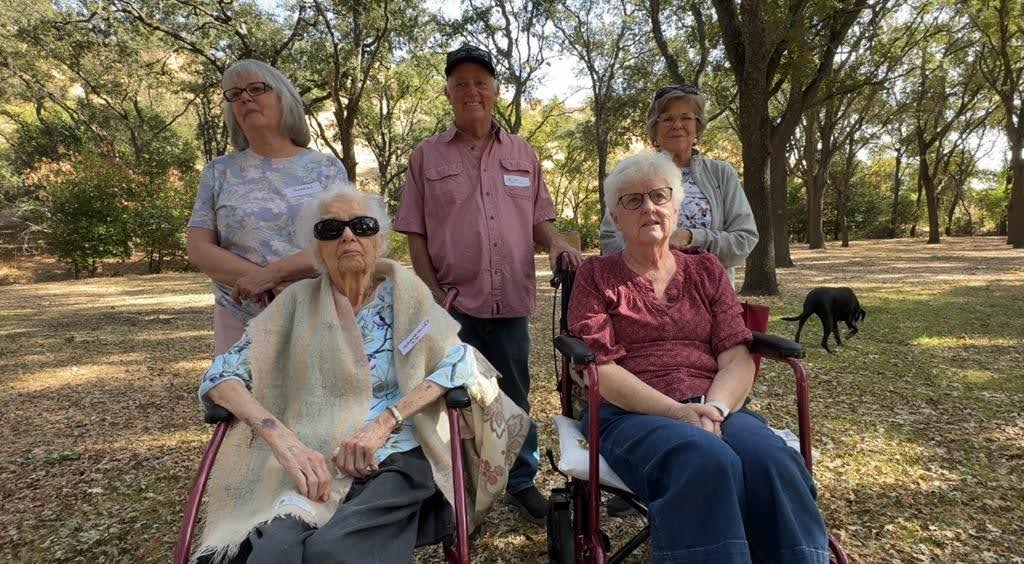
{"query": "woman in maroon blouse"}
[(674, 370)]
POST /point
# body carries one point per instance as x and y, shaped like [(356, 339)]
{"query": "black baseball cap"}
[(469, 54)]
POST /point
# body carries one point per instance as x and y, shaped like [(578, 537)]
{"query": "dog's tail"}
[(794, 318)]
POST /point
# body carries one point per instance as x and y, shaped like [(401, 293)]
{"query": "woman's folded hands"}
[(702, 415)]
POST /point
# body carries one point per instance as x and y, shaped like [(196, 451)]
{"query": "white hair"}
[(293, 113), (340, 190), (643, 166)]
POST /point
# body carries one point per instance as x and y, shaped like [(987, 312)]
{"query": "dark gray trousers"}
[(383, 519)]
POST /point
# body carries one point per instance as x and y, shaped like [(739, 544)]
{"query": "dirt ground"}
[(919, 424)]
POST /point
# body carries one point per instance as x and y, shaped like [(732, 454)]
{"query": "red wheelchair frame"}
[(456, 550), (574, 529)]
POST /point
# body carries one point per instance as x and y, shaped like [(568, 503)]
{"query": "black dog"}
[(831, 305)]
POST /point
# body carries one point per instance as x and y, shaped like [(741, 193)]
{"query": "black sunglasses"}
[(684, 88), (254, 89), (331, 229)]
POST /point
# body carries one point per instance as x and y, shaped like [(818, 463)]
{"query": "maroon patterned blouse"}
[(672, 346)]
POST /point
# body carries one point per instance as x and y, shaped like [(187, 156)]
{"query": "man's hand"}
[(559, 246)]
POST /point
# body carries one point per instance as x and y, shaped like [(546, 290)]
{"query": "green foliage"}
[(86, 215), (160, 209), (398, 247)]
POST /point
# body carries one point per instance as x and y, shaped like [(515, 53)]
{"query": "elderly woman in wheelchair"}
[(674, 371), (342, 453)]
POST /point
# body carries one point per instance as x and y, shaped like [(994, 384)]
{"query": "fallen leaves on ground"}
[(918, 419)]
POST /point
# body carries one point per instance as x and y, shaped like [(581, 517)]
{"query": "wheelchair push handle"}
[(561, 269)]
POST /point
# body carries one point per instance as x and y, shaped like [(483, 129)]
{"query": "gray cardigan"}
[(733, 232)]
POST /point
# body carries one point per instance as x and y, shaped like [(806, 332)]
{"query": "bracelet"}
[(398, 418), (720, 406)]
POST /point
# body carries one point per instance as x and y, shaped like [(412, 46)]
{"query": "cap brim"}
[(482, 62)]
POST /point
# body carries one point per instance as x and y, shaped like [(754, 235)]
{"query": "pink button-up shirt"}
[(476, 206)]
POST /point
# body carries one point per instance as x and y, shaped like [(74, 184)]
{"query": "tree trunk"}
[(759, 279), (1015, 209), (917, 209), (953, 203), (931, 199), (842, 226), (897, 181), (780, 204)]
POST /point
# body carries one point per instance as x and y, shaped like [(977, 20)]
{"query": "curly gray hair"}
[(643, 166), (658, 106), (293, 113), (340, 190)]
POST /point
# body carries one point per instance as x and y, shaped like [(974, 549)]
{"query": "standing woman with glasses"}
[(242, 229), (714, 214)]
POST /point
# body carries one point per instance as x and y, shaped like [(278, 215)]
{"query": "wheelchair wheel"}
[(561, 544)]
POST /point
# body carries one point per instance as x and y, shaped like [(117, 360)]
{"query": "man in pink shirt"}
[(473, 207)]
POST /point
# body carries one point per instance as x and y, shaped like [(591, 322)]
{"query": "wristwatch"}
[(720, 407)]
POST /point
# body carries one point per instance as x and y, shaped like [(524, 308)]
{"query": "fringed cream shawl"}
[(309, 369)]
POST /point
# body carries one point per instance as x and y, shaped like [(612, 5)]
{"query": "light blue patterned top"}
[(253, 202), (695, 210), (376, 322)]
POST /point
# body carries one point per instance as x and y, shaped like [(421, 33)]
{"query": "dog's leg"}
[(799, 328), (835, 331), (853, 329), (826, 328)]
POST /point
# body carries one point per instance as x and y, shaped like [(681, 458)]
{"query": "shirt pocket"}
[(517, 178), (447, 183)]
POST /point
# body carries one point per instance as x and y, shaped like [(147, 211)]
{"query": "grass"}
[(919, 421)]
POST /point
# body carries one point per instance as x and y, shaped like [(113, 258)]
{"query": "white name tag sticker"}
[(517, 181), (301, 190), (294, 501), (417, 334)]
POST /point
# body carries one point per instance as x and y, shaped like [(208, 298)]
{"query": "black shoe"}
[(531, 505), (618, 507)]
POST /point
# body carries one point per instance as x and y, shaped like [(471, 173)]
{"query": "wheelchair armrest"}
[(457, 398), (215, 414), (574, 348), (772, 345)]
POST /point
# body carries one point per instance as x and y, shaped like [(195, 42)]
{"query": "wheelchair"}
[(574, 528), (455, 547)]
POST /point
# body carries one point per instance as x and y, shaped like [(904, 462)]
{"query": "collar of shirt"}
[(449, 135)]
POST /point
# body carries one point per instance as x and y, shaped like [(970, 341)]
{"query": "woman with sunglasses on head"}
[(674, 370), (242, 225), (341, 453), (714, 214)]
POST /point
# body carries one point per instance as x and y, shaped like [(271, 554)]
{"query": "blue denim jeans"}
[(745, 498), (505, 343)]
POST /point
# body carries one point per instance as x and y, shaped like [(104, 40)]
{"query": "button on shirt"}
[(476, 206)]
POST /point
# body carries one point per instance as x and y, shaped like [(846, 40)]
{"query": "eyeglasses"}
[(331, 229), (658, 196), (684, 88), (254, 89), (671, 120)]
